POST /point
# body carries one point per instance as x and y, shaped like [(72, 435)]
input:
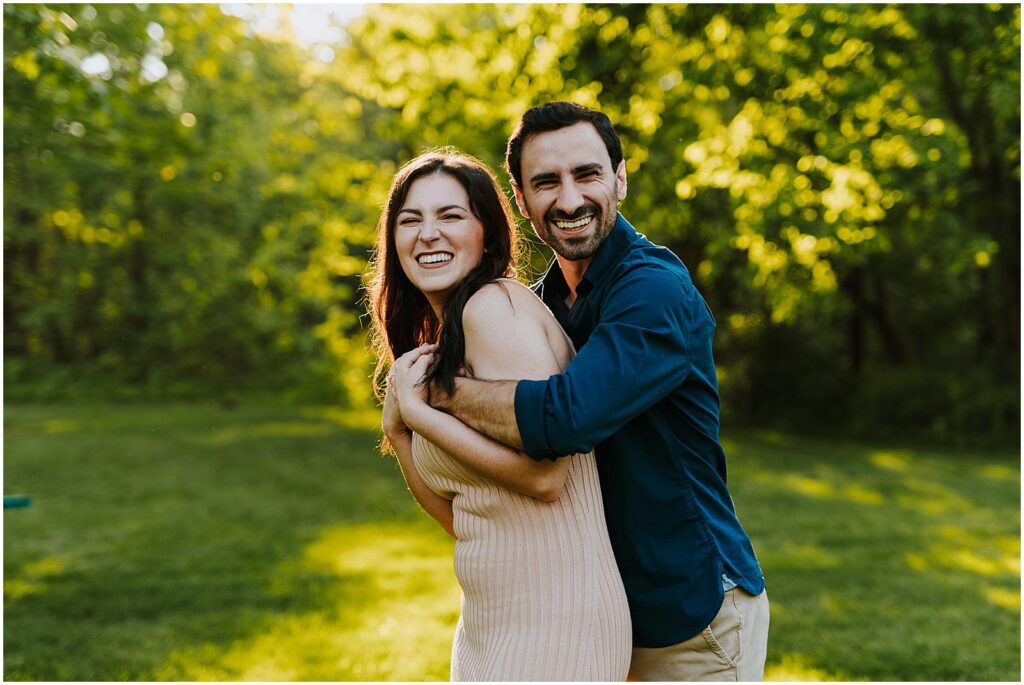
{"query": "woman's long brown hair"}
[(401, 317)]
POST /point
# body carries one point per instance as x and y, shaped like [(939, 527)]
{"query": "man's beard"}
[(576, 248)]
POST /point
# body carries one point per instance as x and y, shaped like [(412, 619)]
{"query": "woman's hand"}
[(391, 421), (404, 382)]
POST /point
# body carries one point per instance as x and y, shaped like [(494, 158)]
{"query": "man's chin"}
[(575, 250)]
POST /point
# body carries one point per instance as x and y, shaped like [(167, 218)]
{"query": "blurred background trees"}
[(189, 201)]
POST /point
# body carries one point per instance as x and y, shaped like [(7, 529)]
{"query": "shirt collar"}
[(552, 283), (608, 255)]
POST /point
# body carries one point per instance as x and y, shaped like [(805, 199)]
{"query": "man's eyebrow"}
[(584, 168), (576, 170), (546, 176)]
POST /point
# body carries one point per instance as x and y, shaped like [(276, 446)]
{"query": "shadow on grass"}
[(881, 564), (193, 542)]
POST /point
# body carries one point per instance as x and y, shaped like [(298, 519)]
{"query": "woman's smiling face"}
[(437, 237)]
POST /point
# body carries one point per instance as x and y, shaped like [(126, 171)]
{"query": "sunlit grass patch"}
[(268, 543), (197, 542), (386, 608), (31, 578), (794, 667)]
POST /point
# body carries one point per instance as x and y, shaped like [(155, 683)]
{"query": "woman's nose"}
[(429, 232)]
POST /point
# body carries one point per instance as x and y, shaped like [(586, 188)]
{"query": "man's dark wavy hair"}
[(553, 116)]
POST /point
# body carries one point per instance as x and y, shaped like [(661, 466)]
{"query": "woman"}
[(542, 597)]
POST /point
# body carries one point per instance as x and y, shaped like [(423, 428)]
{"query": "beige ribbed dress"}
[(541, 595)]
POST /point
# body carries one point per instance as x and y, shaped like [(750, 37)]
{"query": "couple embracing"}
[(566, 436)]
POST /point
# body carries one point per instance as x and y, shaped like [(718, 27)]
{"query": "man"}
[(643, 391)]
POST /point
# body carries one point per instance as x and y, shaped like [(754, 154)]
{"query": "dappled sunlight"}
[(387, 603), (923, 492), (825, 489), (1003, 473), (969, 560), (916, 561), (63, 426), (32, 578), (836, 605), (1002, 552), (337, 576), (356, 419), (890, 461), (796, 667), (808, 486), (861, 495), (932, 499), (1003, 598), (955, 548)]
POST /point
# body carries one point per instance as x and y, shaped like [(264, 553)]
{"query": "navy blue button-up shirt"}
[(643, 391)]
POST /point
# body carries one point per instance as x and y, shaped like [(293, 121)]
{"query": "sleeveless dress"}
[(542, 598)]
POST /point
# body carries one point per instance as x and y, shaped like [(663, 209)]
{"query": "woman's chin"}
[(438, 285)]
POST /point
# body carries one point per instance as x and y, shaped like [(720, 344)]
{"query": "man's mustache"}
[(556, 215)]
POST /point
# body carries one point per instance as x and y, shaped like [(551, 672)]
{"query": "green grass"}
[(192, 542)]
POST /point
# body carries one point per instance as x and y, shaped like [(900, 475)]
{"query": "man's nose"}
[(569, 198)]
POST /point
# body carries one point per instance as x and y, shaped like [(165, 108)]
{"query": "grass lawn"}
[(192, 542)]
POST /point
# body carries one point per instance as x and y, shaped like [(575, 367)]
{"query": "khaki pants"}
[(732, 648)]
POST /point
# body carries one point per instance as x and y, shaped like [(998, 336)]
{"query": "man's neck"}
[(572, 272)]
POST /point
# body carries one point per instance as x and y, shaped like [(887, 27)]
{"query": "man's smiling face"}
[(570, 192)]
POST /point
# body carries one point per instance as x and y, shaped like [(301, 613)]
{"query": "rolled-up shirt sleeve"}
[(638, 353)]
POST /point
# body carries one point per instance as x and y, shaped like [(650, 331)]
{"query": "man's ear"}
[(620, 176), (520, 201)]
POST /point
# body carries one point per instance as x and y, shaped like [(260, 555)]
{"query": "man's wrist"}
[(441, 400)]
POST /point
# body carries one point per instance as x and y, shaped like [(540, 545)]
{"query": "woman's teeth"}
[(434, 258), (572, 225)]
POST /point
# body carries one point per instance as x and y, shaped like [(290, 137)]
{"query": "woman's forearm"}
[(511, 468), (438, 507)]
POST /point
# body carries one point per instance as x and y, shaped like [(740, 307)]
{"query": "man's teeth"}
[(434, 258), (570, 225)]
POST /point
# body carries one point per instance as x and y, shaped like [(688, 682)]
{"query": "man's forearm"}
[(485, 406)]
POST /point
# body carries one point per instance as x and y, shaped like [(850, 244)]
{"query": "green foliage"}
[(194, 542), (843, 181)]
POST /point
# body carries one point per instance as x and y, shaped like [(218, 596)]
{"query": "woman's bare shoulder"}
[(504, 298), (506, 332)]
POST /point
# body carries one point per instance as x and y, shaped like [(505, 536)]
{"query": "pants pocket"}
[(723, 635)]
